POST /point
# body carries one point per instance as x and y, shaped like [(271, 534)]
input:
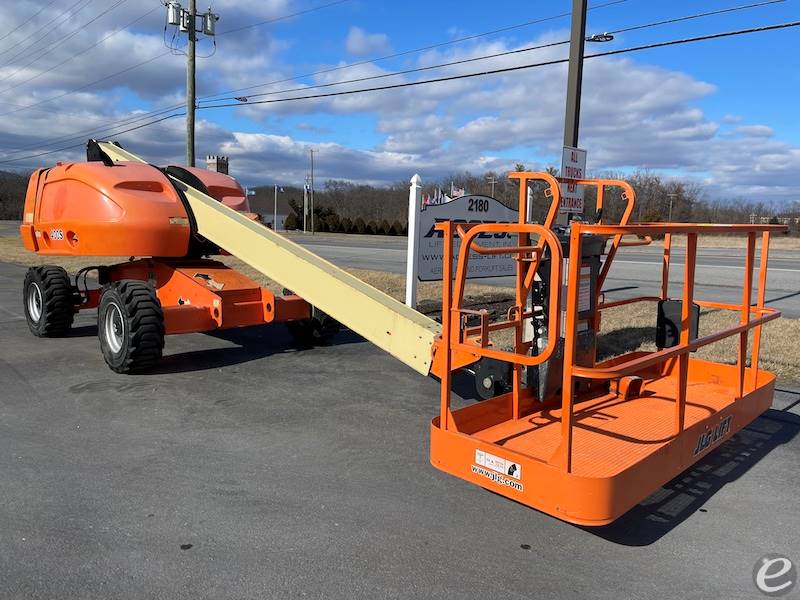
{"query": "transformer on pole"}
[(185, 19)]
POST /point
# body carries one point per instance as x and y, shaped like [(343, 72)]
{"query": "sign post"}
[(414, 206), (573, 166)]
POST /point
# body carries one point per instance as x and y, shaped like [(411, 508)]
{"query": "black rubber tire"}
[(316, 331), (55, 302), (130, 325)]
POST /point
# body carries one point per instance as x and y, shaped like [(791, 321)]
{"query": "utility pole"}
[(575, 75), (491, 180), (186, 21), (671, 197), (306, 187), (572, 116), (311, 151), (191, 95), (275, 209)]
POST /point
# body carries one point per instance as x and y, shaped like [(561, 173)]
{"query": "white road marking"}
[(644, 262)]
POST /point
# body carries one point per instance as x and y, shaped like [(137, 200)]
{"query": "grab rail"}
[(454, 330), (685, 345)]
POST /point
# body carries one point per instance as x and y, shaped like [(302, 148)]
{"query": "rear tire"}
[(49, 301), (316, 331), (130, 325)]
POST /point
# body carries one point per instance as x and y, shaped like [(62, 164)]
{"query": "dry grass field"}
[(776, 242), (624, 329)]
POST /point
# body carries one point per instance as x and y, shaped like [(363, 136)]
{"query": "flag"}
[(458, 192)]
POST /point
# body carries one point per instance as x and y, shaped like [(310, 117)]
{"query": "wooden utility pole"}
[(311, 151), (572, 117), (190, 81)]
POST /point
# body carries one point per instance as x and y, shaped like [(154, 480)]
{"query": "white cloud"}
[(755, 131), (361, 43), (633, 114)]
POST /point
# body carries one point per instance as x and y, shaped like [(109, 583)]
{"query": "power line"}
[(697, 16), (65, 39), (454, 77), (158, 56), (498, 54), (415, 50), (328, 70), (246, 101), (84, 51), (516, 68), (83, 87), (84, 143), (143, 116), (48, 31), (284, 17), (28, 20), (95, 128)]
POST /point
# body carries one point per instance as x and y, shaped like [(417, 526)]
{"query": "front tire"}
[(49, 301), (130, 325)]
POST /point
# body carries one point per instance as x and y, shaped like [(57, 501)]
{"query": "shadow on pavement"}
[(784, 297), (253, 343), (83, 331), (671, 504)]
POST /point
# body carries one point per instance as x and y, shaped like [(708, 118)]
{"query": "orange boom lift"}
[(557, 430)]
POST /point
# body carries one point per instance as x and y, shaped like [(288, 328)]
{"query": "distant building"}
[(263, 203), (217, 163)]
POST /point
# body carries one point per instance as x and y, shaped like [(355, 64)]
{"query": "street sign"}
[(573, 166), (466, 209)]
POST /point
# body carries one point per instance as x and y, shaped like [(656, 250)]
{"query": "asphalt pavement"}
[(244, 468)]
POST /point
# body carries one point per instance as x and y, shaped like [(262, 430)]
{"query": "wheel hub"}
[(35, 302), (114, 328)]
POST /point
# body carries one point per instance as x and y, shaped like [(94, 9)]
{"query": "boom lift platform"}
[(579, 439)]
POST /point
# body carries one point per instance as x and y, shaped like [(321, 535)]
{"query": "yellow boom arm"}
[(389, 324)]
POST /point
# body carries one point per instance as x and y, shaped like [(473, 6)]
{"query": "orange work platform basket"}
[(600, 436)]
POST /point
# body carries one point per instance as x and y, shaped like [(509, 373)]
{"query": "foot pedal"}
[(629, 386)]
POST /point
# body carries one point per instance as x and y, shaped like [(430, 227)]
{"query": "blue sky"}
[(721, 112)]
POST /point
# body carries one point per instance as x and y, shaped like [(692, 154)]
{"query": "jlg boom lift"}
[(579, 439)]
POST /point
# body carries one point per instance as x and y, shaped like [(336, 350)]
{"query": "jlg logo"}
[(712, 437)]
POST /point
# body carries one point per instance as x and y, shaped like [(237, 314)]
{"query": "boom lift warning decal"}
[(495, 468)]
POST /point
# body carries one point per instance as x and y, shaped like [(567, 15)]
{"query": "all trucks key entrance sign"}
[(425, 243), (573, 166)]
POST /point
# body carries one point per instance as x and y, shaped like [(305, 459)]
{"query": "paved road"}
[(246, 469), (636, 271)]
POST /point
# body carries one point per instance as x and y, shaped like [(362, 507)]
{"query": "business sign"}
[(573, 166), (466, 209)]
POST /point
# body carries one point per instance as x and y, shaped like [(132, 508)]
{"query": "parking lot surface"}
[(244, 468)]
